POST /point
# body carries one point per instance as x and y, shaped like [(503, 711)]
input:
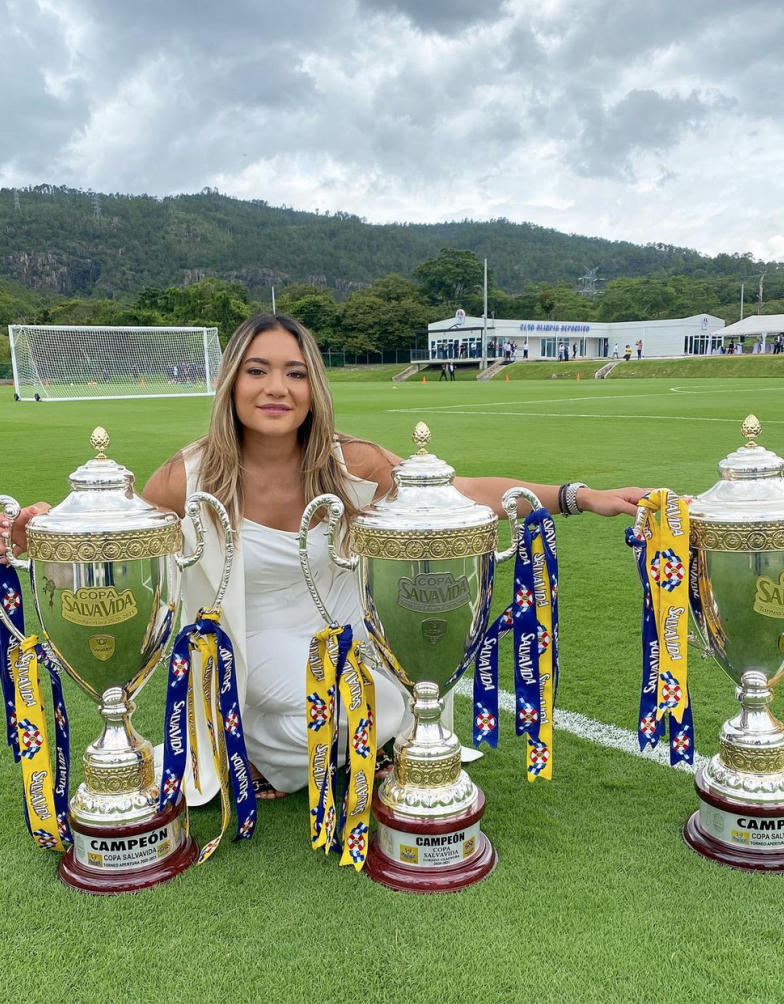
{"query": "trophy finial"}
[(100, 441), (421, 438), (750, 429)]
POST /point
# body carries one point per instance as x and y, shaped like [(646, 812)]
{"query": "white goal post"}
[(81, 363)]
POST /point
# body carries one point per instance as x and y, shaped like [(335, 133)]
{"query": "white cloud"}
[(647, 123)]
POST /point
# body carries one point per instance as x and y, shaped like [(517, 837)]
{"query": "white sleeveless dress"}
[(270, 617), (280, 620)]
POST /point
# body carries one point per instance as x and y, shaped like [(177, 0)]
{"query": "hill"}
[(53, 240)]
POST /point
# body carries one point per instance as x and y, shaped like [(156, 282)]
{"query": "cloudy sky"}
[(657, 121)]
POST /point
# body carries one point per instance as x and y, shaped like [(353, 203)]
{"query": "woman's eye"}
[(254, 371), (298, 375)]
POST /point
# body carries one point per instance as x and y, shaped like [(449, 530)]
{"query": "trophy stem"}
[(752, 743), (740, 821), (429, 811), (119, 775), (427, 779)]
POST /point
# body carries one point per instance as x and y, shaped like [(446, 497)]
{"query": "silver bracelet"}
[(570, 498)]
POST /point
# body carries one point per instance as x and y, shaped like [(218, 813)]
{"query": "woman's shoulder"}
[(168, 486), (364, 459)]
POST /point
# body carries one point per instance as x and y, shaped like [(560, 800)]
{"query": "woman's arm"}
[(167, 487), (373, 463)]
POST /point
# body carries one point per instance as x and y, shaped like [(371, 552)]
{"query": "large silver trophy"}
[(105, 568), (424, 556), (737, 602)]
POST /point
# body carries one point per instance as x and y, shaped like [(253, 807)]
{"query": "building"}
[(460, 337)]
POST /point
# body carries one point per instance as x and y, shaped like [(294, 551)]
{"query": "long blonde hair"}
[(220, 451)]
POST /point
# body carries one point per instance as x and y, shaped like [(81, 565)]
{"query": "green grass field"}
[(596, 897)]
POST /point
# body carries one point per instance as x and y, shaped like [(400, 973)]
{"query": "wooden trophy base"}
[(106, 860), (735, 833), (443, 854)]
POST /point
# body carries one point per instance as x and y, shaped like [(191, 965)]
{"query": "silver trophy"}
[(737, 601), (105, 569), (424, 556)]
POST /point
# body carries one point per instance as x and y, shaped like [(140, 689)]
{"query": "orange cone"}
[(507, 378), (578, 376), (424, 379), (142, 383)]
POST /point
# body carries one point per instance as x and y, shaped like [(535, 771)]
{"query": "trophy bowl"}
[(736, 592), (105, 569), (424, 556)]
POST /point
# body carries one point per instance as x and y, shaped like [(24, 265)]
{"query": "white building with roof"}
[(460, 337)]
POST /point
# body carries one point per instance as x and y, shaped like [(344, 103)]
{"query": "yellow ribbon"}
[(357, 692), (668, 565), (37, 773), (207, 646)]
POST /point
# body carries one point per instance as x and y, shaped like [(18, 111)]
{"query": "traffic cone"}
[(507, 378), (424, 379), (578, 376)]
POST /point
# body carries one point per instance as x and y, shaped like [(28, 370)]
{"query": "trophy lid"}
[(102, 506), (751, 488), (424, 512)]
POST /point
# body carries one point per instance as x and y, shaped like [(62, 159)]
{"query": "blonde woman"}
[(271, 447)]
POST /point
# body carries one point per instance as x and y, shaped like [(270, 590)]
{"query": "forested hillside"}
[(73, 243)]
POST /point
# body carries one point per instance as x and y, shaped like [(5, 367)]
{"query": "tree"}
[(453, 274)]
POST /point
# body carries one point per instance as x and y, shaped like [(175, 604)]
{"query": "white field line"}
[(572, 414), (585, 400), (609, 736)]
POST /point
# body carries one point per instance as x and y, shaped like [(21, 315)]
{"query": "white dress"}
[(280, 620), (270, 617)]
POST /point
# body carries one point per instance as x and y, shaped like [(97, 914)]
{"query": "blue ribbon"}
[(11, 598), (175, 745), (520, 618)]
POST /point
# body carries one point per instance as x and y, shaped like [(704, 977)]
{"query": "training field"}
[(596, 898)]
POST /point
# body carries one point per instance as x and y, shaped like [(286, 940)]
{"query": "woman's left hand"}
[(612, 502)]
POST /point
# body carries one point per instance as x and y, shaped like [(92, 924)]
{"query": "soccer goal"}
[(54, 363)]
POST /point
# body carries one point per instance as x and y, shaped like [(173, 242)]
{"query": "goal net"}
[(52, 363)]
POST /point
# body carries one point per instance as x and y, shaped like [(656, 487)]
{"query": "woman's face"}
[(272, 390)]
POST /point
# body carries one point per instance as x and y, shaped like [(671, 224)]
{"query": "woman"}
[(271, 448)]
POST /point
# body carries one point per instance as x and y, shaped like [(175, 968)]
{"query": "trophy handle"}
[(509, 502), (11, 508), (193, 506), (335, 509)]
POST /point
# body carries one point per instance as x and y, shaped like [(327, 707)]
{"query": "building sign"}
[(459, 316), (555, 327)]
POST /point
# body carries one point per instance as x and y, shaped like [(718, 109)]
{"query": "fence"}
[(401, 357)]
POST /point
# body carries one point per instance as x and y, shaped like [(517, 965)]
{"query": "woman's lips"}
[(275, 409)]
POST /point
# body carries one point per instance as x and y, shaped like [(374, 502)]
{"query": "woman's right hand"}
[(19, 541)]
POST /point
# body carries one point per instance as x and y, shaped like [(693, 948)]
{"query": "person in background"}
[(443, 375), (615, 351), (627, 353), (638, 346), (451, 371), (525, 350)]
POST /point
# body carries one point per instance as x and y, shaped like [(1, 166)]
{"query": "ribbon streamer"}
[(335, 673), (532, 617), (45, 791), (220, 701), (661, 552)]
